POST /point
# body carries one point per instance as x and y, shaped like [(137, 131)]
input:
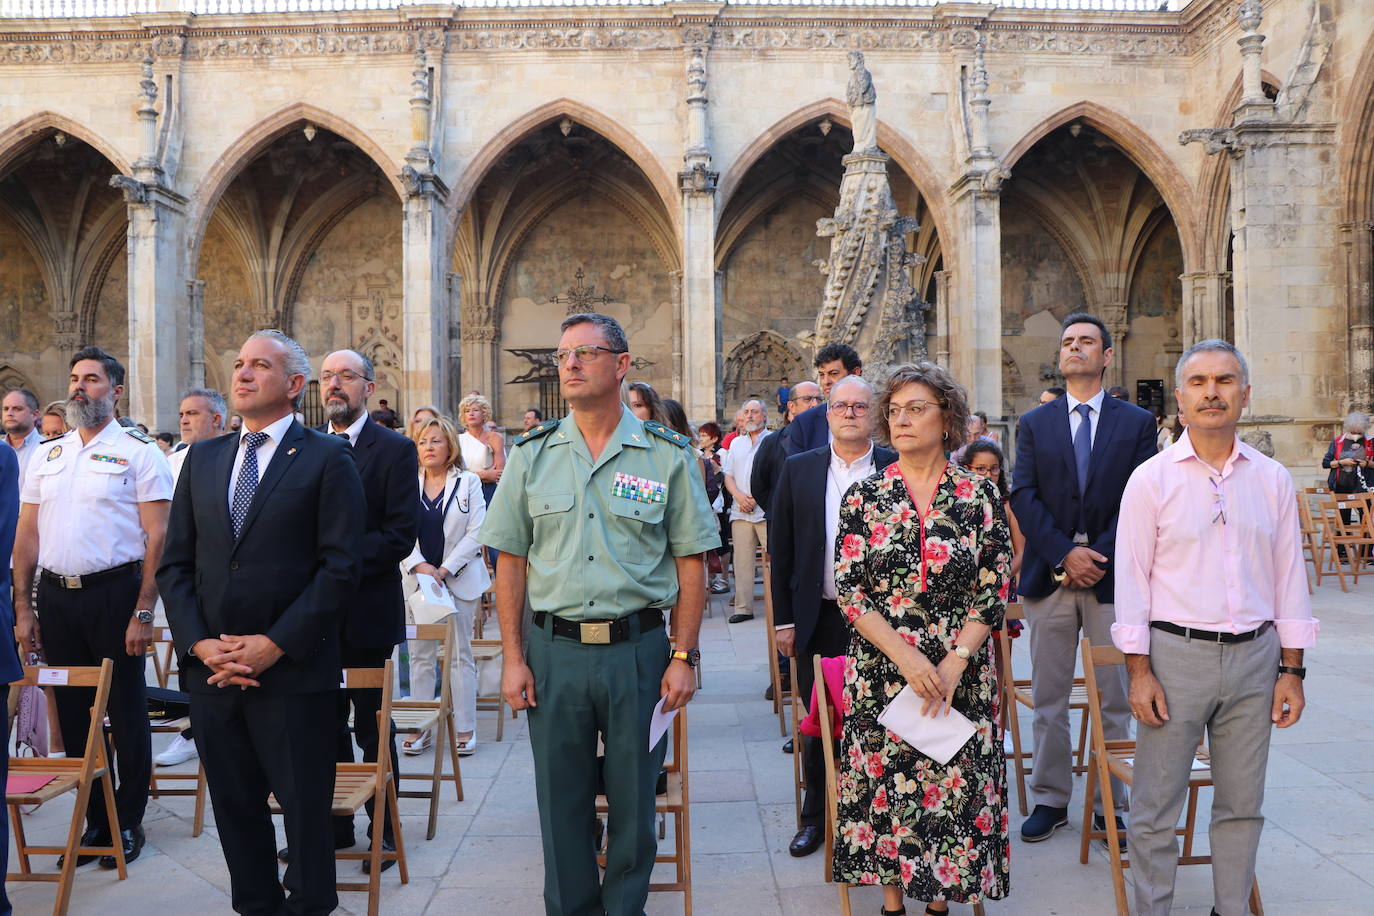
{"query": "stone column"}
[(158, 339), (974, 307), (454, 286), (1203, 309), (1357, 243), (425, 306), (942, 310), (698, 315), (1115, 316), (195, 331)]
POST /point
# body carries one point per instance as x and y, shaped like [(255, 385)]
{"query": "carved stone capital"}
[(66, 327), (1217, 139), (421, 183), (698, 179), (135, 191)]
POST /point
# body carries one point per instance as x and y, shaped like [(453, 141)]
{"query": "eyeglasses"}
[(347, 377), (913, 410), (587, 354), (806, 399), (1218, 500), (840, 408)]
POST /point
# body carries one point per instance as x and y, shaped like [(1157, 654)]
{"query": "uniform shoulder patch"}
[(543, 429), (672, 435), (139, 434)]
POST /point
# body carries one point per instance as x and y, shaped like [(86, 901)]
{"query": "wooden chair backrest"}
[(1015, 611), (1331, 508), (1095, 657), (374, 679), (832, 797), (99, 678)]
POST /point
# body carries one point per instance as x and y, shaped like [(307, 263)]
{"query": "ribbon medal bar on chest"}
[(640, 489)]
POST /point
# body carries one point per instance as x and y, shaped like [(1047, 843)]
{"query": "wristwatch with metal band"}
[(143, 616)]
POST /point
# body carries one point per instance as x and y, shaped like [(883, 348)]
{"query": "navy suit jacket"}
[(388, 465), (808, 430), (289, 573), (1044, 492), (9, 517), (796, 538)]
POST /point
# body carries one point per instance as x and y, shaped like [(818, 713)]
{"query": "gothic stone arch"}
[(757, 366)]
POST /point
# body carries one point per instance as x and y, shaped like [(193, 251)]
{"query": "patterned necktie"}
[(1083, 446), (247, 483)]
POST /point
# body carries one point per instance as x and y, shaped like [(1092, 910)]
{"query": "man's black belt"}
[(95, 578), (1210, 635), (600, 632)]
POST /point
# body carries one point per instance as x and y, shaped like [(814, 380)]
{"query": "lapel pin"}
[(290, 451)]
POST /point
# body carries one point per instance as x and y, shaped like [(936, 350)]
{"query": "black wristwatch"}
[(1300, 673), (691, 656), (143, 616)]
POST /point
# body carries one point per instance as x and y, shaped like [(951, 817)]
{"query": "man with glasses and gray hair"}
[(748, 525), (1213, 615), (805, 512)]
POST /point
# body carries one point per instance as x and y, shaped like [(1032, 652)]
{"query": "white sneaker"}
[(179, 751)]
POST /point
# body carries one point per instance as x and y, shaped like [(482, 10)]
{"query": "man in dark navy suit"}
[(806, 518), (1073, 458), (810, 429), (262, 553), (9, 657), (373, 619)]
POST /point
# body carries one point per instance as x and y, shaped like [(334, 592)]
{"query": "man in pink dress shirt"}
[(1213, 614)]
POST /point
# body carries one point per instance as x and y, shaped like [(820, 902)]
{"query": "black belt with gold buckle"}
[(599, 632), (89, 579)]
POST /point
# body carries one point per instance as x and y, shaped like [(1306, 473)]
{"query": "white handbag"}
[(431, 601)]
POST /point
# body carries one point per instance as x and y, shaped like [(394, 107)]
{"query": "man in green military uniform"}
[(603, 520)]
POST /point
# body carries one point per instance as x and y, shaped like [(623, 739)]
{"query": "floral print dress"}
[(940, 832)]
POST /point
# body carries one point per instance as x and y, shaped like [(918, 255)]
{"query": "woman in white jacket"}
[(451, 512)]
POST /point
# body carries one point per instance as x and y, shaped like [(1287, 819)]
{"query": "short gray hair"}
[(214, 399), (853, 380), (297, 360), (1211, 345), (1356, 422), (759, 401), (610, 328)]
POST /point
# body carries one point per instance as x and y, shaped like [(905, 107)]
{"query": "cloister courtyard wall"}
[(426, 183)]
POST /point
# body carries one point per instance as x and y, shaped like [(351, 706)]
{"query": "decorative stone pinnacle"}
[(1250, 14), (419, 83), (148, 84), (978, 82)]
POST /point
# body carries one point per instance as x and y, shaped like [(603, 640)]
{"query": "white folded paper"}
[(658, 723), (939, 738), (431, 602)]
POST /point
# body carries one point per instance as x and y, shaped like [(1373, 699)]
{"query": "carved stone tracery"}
[(758, 365)]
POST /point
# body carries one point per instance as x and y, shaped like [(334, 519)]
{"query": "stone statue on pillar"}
[(863, 104), (869, 301)]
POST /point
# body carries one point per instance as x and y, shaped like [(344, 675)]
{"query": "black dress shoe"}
[(92, 837), (340, 842), (1043, 822), (131, 838), (807, 841), (387, 846), (1100, 823), (787, 748), (740, 618)]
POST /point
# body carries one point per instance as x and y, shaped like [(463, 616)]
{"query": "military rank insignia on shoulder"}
[(139, 434), (673, 436), (543, 429)]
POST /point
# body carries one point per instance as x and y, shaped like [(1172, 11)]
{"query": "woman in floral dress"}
[(922, 575)]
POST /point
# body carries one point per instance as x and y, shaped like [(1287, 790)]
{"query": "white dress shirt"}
[(1094, 414), (275, 430), (26, 450), (353, 430), (88, 495), (839, 477), (738, 463)]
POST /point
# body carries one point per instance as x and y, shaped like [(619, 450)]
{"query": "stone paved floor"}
[(1316, 857)]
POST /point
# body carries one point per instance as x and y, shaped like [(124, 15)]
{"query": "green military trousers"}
[(586, 691)]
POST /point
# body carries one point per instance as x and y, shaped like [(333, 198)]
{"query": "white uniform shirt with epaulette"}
[(600, 536), (88, 495)]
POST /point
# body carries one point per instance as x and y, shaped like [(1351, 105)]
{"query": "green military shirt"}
[(600, 536)]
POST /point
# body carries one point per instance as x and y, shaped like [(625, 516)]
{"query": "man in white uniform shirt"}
[(93, 516), (748, 528)]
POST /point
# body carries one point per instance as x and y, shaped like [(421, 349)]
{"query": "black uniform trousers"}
[(252, 744), (828, 640), (82, 627), (366, 704)]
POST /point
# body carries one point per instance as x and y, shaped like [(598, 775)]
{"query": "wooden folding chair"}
[(798, 741), (676, 801), (1328, 559), (67, 774), (484, 650), (155, 790), (414, 717), (1117, 758), (1349, 543), (782, 699), (162, 650), (1018, 691), (486, 606), (357, 783), (1309, 535)]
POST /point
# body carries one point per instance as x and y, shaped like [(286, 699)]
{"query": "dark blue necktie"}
[(1083, 446), (247, 483)]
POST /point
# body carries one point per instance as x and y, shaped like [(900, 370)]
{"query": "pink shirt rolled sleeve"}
[(1177, 560)]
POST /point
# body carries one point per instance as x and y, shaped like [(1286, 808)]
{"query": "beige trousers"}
[(746, 537)]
